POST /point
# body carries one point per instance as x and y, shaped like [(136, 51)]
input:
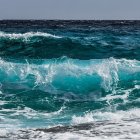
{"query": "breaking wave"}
[(71, 75)]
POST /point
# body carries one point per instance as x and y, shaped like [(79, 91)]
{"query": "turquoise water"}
[(66, 73)]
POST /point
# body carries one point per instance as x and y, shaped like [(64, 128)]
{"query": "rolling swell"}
[(44, 45)]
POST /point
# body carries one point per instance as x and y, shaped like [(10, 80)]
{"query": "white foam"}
[(37, 135), (99, 132), (115, 125), (26, 36), (102, 116)]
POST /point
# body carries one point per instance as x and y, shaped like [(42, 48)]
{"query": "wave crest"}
[(26, 36)]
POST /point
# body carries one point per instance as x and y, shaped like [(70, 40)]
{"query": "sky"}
[(70, 9)]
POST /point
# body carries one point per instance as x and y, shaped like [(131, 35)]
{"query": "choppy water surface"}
[(69, 79)]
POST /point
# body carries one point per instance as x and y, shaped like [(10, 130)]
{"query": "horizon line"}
[(74, 19)]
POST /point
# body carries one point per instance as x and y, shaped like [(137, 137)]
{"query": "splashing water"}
[(78, 80)]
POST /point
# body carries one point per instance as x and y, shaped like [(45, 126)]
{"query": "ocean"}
[(69, 80)]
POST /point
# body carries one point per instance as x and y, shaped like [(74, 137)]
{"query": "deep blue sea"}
[(69, 80)]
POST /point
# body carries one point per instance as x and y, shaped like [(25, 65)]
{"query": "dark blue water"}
[(73, 74)]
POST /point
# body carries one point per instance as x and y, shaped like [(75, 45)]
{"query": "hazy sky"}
[(69, 9)]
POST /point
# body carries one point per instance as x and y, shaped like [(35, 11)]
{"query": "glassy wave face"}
[(72, 79)]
